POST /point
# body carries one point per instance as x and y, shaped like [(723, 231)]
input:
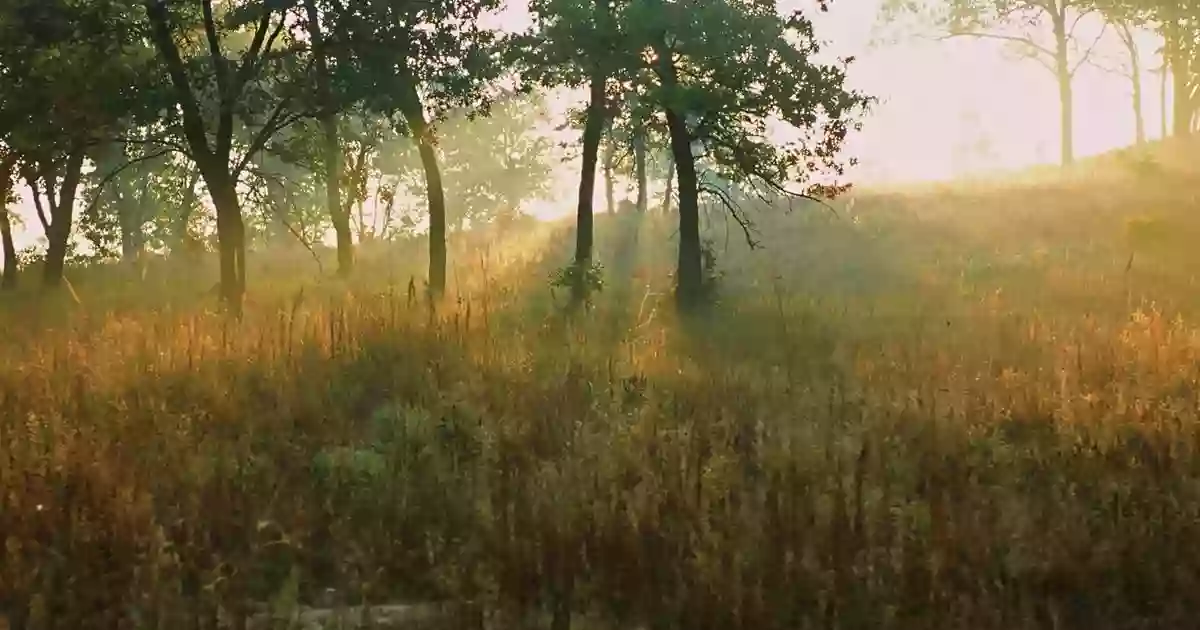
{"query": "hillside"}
[(953, 406)]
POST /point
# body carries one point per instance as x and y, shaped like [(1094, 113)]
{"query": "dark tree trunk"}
[(689, 288), (183, 241), (414, 113), (9, 279), (639, 166), (1062, 74), (330, 146), (593, 133), (670, 192), (62, 212), (231, 240)]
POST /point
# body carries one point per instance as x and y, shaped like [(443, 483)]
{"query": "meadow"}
[(968, 405)]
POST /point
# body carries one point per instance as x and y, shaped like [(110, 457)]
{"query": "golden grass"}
[(957, 408)]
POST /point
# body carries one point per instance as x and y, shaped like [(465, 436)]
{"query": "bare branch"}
[(1025, 41), (1090, 50), (117, 171), (214, 48), (734, 211)]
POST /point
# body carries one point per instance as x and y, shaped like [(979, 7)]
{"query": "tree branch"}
[(1001, 37), (117, 171), (1089, 51)]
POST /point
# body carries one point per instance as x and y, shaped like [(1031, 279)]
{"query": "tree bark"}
[(414, 113), (1062, 73), (62, 212), (593, 133), (689, 288), (8, 280), (231, 236), (639, 166), (666, 205), (610, 194), (330, 145)]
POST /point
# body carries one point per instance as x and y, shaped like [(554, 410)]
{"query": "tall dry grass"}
[(960, 409)]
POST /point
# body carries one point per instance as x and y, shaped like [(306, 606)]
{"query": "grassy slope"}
[(951, 407)]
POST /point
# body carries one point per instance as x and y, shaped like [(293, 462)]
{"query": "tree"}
[(1022, 23), (1178, 22), (419, 61), (573, 43), (242, 88), (330, 143), (1128, 67), (8, 165), (719, 94), (81, 73)]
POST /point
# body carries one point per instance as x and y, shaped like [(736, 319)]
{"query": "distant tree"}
[(264, 87), (81, 75), (1127, 65), (418, 61), (1042, 30), (576, 43), (8, 166)]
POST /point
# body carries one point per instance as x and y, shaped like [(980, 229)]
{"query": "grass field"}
[(957, 406)]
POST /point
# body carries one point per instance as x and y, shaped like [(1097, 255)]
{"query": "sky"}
[(936, 98)]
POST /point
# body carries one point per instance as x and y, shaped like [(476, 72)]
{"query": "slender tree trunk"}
[(1062, 72), (593, 133), (414, 113), (62, 212), (610, 193), (8, 167), (182, 240), (1135, 78), (639, 166), (330, 145), (1181, 71), (1162, 97), (9, 279), (670, 192)]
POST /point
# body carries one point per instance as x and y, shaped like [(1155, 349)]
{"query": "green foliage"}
[(590, 277)]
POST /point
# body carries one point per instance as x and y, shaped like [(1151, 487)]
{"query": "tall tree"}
[(330, 140), (1043, 30), (420, 61), (80, 73), (263, 71), (8, 166), (718, 94)]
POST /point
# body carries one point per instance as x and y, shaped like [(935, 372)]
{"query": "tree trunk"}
[(1162, 96), (639, 166), (1181, 71), (414, 113), (181, 235), (62, 212), (1135, 77), (231, 240), (666, 205), (7, 167), (330, 145), (1062, 74), (9, 279), (689, 288), (610, 202), (593, 133)]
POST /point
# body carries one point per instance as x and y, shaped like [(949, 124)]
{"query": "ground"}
[(956, 406)]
